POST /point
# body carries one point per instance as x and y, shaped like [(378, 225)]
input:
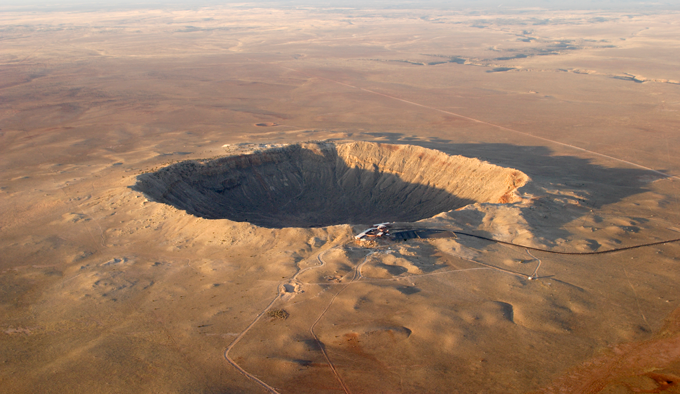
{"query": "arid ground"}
[(105, 288)]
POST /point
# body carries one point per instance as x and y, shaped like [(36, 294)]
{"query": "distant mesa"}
[(323, 184), (266, 124)]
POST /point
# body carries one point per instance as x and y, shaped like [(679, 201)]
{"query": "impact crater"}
[(323, 184)]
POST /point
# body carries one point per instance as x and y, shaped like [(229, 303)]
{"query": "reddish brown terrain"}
[(115, 125)]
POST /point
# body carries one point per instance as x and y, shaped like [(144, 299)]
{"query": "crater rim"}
[(320, 184)]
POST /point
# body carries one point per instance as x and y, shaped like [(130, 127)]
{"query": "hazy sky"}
[(447, 4)]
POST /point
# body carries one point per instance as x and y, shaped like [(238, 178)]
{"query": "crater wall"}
[(321, 184)]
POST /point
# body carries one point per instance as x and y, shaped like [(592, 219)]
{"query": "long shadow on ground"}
[(597, 186)]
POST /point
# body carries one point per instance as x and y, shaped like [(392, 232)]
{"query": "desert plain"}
[(108, 285)]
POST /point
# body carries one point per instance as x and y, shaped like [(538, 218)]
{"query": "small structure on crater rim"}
[(385, 231)]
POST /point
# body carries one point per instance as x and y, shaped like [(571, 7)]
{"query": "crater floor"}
[(322, 184)]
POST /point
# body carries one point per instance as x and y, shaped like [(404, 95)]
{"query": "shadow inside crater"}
[(315, 186)]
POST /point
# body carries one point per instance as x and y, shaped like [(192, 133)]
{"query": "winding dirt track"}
[(357, 277), (236, 341), (668, 241), (318, 342), (280, 291)]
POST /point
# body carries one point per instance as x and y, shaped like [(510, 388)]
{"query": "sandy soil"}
[(105, 289)]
